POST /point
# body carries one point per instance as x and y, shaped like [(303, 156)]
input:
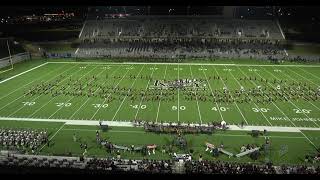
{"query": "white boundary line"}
[(187, 64), (130, 124), (23, 73)]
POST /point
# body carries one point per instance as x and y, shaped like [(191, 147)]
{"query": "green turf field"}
[(299, 113), (15, 105)]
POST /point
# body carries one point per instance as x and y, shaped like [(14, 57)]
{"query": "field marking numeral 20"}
[(174, 108), (63, 104), (221, 108), (298, 111), (100, 105), (137, 106), (29, 103), (260, 109)]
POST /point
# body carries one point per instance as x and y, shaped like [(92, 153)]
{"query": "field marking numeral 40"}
[(260, 109), (298, 111), (29, 103), (63, 104), (100, 105), (137, 106), (174, 108), (221, 108)]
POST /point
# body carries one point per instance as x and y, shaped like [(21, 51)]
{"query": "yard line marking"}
[(194, 64), (23, 95), (41, 94), (309, 73), (232, 98), (51, 98), (289, 118), (164, 77), (115, 114), (23, 73), (253, 102), (297, 81), (289, 99), (40, 77), (304, 77), (135, 117), (213, 94), (52, 136), (196, 98), (178, 95), (109, 94), (74, 96), (267, 96), (90, 97)]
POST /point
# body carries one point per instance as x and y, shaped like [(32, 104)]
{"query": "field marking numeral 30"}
[(29, 103), (63, 104)]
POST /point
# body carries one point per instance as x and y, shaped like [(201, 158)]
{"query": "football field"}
[(139, 78)]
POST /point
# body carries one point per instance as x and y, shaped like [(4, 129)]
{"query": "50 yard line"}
[(178, 95), (165, 73)]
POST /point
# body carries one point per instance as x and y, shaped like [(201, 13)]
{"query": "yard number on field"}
[(253, 70), (227, 70), (136, 106), (28, 103), (221, 108), (299, 111), (63, 104), (174, 108), (108, 67), (260, 109), (153, 68), (100, 105), (177, 69)]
